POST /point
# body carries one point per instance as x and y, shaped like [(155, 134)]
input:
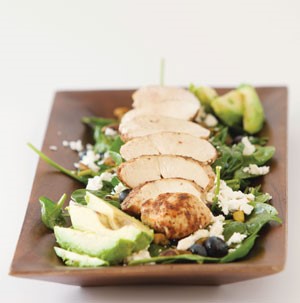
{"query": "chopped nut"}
[(119, 112), (161, 239), (82, 166), (169, 252), (109, 162), (239, 216)]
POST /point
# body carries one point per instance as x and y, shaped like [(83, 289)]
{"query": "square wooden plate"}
[(34, 256)]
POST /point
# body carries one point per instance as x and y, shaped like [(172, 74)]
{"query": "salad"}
[(172, 180)]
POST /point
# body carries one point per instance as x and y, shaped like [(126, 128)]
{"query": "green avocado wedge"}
[(229, 108), (113, 248), (205, 95), (117, 219), (73, 259), (254, 116)]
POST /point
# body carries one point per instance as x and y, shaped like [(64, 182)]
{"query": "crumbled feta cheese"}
[(231, 201), (119, 188), (76, 165), (210, 120), (110, 132), (187, 242), (94, 183), (142, 254), (249, 148), (76, 145), (89, 146), (253, 169), (216, 229), (53, 147), (89, 160), (106, 176), (200, 115), (65, 143), (236, 238)]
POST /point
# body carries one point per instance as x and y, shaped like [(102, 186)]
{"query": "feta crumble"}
[(187, 242), (96, 183), (89, 160), (142, 254), (230, 201), (236, 238), (74, 145), (110, 132), (53, 147), (216, 229), (119, 188), (253, 169), (249, 148)]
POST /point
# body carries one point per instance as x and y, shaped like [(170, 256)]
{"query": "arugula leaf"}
[(262, 155), (52, 214)]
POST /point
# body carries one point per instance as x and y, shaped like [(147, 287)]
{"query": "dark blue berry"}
[(123, 194), (198, 249), (216, 247)]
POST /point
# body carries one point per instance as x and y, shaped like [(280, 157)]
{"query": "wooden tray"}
[(34, 256)]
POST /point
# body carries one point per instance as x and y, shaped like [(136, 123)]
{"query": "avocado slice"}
[(73, 259), (205, 94), (112, 248), (254, 116), (118, 219), (229, 108)]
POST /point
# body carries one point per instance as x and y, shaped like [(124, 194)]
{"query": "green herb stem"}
[(67, 172)]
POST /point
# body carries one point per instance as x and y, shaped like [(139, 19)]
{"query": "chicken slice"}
[(151, 124), (149, 168), (169, 143), (150, 190), (177, 215)]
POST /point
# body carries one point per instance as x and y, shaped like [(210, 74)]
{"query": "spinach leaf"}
[(155, 249), (52, 214), (116, 157), (98, 122), (67, 172), (262, 141), (231, 227), (116, 145), (79, 196), (235, 184), (174, 259), (220, 137), (241, 251)]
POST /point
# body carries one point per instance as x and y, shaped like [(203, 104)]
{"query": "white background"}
[(51, 45)]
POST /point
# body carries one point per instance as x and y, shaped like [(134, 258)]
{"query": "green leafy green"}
[(98, 122), (241, 251), (79, 196), (51, 212), (116, 144), (67, 172), (174, 259), (231, 227)]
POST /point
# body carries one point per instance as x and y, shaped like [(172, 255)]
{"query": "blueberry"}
[(198, 249), (237, 139), (123, 194), (216, 247)]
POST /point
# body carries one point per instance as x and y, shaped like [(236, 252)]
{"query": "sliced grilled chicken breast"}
[(177, 215), (150, 190), (149, 168), (152, 124), (168, 143)]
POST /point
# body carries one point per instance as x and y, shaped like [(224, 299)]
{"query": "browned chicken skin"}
[(177, 215)]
